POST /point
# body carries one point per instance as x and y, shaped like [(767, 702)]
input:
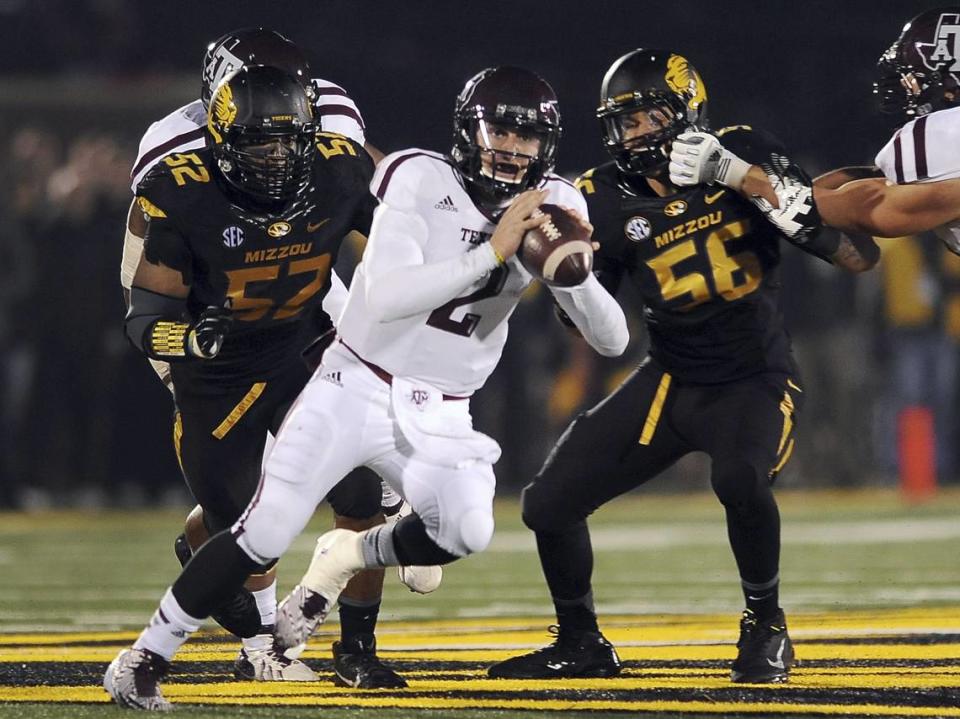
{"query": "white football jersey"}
[(456, 346), (926, 149), (182, 129)]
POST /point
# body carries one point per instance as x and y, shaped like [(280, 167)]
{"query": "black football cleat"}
[(765, 651), (239, 615), (356, 664), (572, 654)]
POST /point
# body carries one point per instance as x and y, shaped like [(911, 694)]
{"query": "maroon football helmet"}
[(504, 99), (920, 72), (252, 46)]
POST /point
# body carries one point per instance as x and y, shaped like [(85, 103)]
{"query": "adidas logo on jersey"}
[(332, 378), (446, 204)]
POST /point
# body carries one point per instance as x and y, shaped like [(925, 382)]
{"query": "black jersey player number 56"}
[(730, 276)]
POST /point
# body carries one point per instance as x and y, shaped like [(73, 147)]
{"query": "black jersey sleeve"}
[(161, 206), (750, 144), (759, 147)]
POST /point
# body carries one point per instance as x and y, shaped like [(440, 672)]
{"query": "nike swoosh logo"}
[(710, 199), (314, 226), (778, 664)]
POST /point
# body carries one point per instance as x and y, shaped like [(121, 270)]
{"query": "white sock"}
[(267, 604), (169, 628)]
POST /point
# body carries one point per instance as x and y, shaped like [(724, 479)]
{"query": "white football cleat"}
[(270, 665), (133, 680), (337, 557), (421, 580)]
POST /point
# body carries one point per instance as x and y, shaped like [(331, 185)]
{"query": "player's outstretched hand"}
[(519, 217), (698, 158), (206, 337)]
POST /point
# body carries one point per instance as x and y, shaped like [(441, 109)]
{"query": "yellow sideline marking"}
[(650, 638), (260, 694)]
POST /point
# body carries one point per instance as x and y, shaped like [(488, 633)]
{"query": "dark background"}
[(83, 418)]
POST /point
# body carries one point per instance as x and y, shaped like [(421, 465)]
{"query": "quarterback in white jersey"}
[(429, 240), (396, 399)]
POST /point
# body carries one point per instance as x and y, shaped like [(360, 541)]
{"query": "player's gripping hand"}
[(514, 223), (795, 215), (698, 158), (206, 337)]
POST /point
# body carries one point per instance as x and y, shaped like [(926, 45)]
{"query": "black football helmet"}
[(920, 72), (252, 46), (260, 129), (664, 85), (504, 99)]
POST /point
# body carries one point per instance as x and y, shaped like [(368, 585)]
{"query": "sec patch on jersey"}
[(557, 252)]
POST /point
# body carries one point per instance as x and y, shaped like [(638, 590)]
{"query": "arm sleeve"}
[(596, 314), (399, 284)]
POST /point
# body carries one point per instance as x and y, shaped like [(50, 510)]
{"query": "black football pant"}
[(647, 424), (220, 433)]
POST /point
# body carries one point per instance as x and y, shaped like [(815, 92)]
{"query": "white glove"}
[(698, 158)]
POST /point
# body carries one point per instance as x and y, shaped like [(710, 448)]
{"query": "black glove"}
[(206, 337)]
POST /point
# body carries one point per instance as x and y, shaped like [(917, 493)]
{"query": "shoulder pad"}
[(404, 176), (174, 180), (924, 150), (337, 112), (181, 130)]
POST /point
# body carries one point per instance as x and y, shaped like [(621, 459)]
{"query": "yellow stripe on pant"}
[(656, 407), (236, 414)]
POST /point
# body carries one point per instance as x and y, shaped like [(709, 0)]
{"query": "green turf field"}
[(871, 587)]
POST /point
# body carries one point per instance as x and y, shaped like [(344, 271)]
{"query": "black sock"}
[(213, 575), (357, 618), (576, 615), (567, 561), (763, 599)]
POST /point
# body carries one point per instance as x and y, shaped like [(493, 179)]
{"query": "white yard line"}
[(625, 536)]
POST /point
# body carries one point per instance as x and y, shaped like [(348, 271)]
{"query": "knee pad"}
[(476, 531), (270, 527), (544, 511), (739, 485), (468, 533)]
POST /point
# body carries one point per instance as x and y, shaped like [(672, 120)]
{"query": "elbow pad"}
[(155, 325)]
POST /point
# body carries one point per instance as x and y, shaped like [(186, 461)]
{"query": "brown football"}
[(558, 252)]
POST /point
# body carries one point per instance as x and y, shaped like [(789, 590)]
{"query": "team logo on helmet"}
[(233, 236), (637, 229), (278, 229), (677, 207), (223, 110), (681, 78), (944, 51)]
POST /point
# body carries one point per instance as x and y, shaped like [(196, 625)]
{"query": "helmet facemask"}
[(637, 131), (268, 167), (503, 157)]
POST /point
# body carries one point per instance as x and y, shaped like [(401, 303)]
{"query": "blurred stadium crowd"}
[(83, 419)]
